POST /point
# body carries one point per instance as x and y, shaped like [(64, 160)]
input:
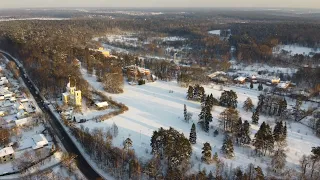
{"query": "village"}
[(27, 144)]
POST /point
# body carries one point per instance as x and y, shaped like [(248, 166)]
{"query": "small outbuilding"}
[(39, 141), (102, 104), (6, 154)]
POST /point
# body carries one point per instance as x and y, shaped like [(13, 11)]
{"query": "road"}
[(58, 130)]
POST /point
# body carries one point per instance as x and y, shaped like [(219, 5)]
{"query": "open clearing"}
[(152, 106)]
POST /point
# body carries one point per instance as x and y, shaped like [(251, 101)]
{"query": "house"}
[(22, 121), (102, 104), (275, 80), (240, 79), (283, 85), (39, 141), (219, 76), (6, 154), (72, 95), (104, 52)]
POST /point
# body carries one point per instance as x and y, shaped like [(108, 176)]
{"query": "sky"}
[(315, 4)]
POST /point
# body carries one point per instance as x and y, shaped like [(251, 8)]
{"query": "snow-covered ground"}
[(215, 32), (151, 106), (269, 72), (296, 49), (29, 19)]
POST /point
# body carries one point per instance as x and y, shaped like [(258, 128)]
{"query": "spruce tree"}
[(215, 133), (284, 132), (208, 119), (255, 117), (282, 106), (296, 109), (185, 113), (278, 131), (201, 93), (317, 128), (260, 87), (190, 93), (205, 117), (215, 157), (193, 134), (196, 92), (206, 152), (227, 147), (248, 105), (245, 133)]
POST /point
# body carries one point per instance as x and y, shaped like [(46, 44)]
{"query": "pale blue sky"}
[(161, 3)]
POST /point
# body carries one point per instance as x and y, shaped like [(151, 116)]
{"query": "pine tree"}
[(259, 173), (237, 130), (190, 93), (201, 93), (264, 140), (278, 132), (255, 117), (233, 99), (227, 147), (224, 99), (248, 105), (238, 174), (193, 134), (206, 152), (210, 176), (251, 85), (228, 119), (278, 161), (215, 157)]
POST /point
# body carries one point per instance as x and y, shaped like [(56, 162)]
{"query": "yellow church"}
[(72, 96)]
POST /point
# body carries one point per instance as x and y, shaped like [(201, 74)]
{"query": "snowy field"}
[(215, 32), (152, 106), (295, 49), (252, 69)]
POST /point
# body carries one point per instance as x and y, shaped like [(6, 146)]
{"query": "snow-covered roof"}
[(275, 79), (20, 122), (6, 151), (283, 85), (216, 74), (102, 104), (240, 78), (24, 100), (40, 140)]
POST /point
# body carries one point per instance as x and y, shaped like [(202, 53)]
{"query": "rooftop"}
[(6, 151)]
